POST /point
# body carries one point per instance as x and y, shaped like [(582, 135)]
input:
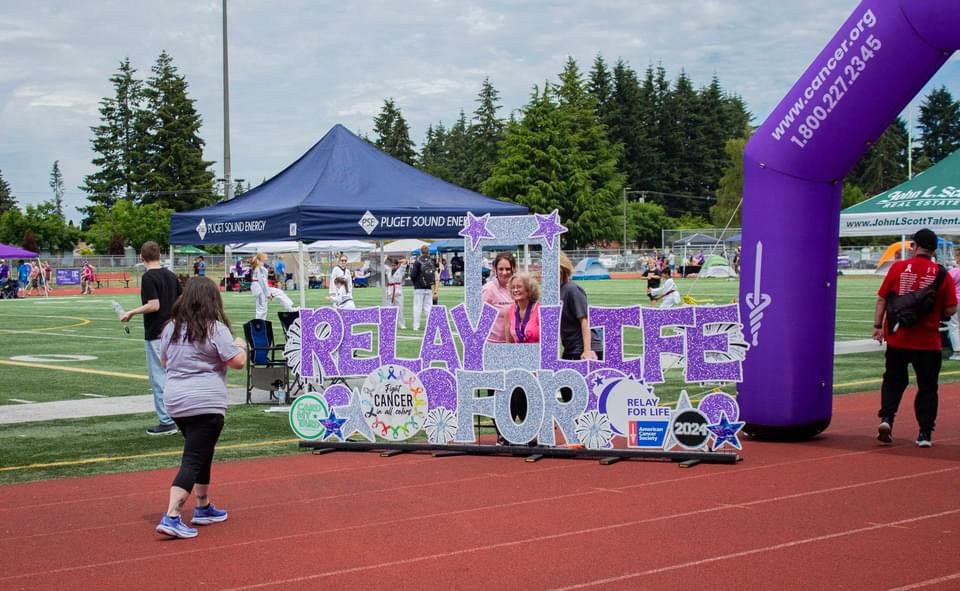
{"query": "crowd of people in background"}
[(25, 279)]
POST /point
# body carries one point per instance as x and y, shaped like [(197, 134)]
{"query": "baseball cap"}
[(926, 239)]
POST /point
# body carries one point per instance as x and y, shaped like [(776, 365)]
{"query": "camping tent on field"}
[(901, 247), (342, 188), (716, 266), (929, 200), (590, 268)]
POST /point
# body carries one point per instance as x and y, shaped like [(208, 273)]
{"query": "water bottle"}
[(119, 310)]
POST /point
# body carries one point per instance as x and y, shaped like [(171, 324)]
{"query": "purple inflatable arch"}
[(793, 174)]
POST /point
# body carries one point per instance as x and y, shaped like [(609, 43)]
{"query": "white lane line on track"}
[(927, 583), (743, 553), (513, 543)]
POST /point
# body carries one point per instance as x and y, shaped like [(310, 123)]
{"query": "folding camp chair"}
[(266, 367)]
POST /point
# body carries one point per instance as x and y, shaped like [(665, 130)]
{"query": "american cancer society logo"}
[(368, 222), (202, 228)]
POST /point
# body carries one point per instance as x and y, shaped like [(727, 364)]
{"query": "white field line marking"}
[(928, 582), (513, 543), (94, 395), (741, 554), (21, 401)]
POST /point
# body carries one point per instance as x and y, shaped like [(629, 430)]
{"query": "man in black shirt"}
[(159, 289)]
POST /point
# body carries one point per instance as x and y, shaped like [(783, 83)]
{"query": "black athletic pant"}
[(926, 366), (565, 393), (200, 435)]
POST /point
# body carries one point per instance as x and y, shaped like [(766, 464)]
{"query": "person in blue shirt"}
[(280, 272), (23, 276)]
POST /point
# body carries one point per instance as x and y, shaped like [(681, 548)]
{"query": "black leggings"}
[(200, 435)]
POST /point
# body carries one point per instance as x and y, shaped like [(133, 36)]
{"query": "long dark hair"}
[(198, 310)]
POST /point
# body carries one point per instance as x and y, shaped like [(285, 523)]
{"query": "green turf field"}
[(44, 327)]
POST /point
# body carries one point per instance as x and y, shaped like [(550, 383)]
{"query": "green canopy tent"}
[(188, 250), (929, 200)]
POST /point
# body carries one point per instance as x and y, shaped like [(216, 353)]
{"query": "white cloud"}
[(480, 21)]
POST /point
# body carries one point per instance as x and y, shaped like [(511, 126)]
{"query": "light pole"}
[(228, 184), (625, 190)]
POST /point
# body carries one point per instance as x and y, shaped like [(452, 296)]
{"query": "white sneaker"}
[(955, 357)]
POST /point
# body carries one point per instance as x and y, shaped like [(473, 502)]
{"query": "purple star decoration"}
[(548, 227), (476, 229)]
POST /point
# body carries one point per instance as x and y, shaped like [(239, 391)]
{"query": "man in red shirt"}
[(918, 345)]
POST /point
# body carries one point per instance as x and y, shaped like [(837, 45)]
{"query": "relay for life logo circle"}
[(394, 402)]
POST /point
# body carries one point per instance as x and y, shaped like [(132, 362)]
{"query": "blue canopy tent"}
[(448, 245), (342, 188)]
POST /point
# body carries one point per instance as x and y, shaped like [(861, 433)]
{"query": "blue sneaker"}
[(207, 515), (175, 527)]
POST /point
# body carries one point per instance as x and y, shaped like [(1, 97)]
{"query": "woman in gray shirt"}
[(196, 347)]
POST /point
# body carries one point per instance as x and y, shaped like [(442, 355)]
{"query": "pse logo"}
[(689, 428)]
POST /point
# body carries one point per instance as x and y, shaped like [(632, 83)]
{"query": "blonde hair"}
[(566, 268), (255, 259), (533, 288)]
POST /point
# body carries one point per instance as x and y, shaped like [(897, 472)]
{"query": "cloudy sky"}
[(299, 66)]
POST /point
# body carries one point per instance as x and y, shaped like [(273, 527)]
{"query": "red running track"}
[(840, 512)]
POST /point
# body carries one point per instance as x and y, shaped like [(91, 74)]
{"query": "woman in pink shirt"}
[(496, 292), (523, 315)]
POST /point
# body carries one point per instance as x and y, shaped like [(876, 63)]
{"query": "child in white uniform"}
[(262, 292), (393, 296), (666, 295), (342, 299)]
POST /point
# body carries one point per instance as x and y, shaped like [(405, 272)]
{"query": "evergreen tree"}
[(601, 87), (393, 133), (729, 193), (485, 133), (433, 155), (535, 167), (7, 200), (177, 176), (630, 122), (736, 117), (939, 124), (56, 183), (885, 163), (713, 138), (682, 126), (458, 151), (119, 143), (596, 204), (655, 88), (557, 156)]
